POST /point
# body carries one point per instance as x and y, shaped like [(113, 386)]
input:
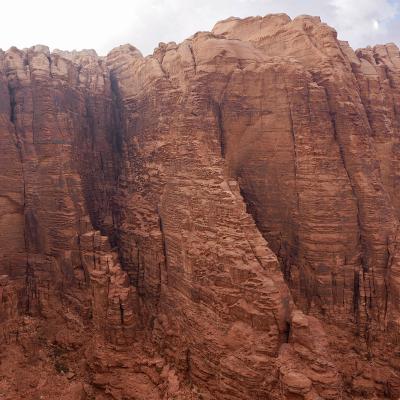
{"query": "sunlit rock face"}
[(216, 221)]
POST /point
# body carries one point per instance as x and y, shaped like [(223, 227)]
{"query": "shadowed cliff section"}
[(137, 194)]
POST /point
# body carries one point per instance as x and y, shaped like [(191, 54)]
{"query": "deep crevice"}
[(220, 127), (30, 284)]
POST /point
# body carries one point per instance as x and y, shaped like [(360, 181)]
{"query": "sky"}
[(104, 24)]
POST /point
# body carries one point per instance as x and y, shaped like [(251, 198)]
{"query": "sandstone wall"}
[(218, 220)]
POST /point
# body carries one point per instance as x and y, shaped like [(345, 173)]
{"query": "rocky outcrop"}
[(216, 281), (215, 221), (55, 267), (333, 126)]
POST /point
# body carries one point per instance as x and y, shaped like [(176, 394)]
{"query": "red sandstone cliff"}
[(216, 221)]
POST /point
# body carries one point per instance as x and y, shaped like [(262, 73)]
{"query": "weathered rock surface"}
[(143, 200)]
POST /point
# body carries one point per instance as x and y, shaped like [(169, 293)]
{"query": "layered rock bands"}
[(219, 220)]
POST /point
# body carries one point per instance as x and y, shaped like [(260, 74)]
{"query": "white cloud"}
[(103, 24), (354, 19)]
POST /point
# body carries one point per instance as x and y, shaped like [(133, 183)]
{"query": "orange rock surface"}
[(219, 220)]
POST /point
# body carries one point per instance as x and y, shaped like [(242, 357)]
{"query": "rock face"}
[(216, 221)]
